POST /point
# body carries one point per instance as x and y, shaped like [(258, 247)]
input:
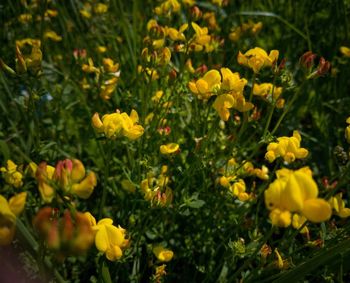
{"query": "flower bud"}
[(307, 59)]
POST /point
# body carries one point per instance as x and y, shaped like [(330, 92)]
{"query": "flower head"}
[(109, 239), (169, 148), (257, 58), (9, 210), (12, 175), (119, 124), (69, 176), (286, 147), (162, 254), (295, 191)]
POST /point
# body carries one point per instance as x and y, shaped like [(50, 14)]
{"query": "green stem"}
[(246, 114), (286, 110), (106, 176), (272, 107)]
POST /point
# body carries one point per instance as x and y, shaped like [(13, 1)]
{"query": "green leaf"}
[(4, 149), (196, 203)]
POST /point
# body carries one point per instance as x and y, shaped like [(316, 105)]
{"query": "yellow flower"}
[(25, 18), (101, 49), (162, 254), (232, 82), (167, 7), (338, 204), (169, 148), (86, 11), (201, 38), (206, 86), (32, 61), (280, 218), (109, 239), (119, 124), (51, 13), (257, 58), (295, 191), (347, 130), (100, 8), (286, 147), (11, 175), (9, 210), (85, 187), (52, 35), (68, 175), (176, 35), (298, 221), (265, 90), (262, 173), (222, 103), (108, 88), (345, 51), (90, 68), (280, 263), (238, 189), (109, 66)]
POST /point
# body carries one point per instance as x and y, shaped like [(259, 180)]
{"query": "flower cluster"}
[(227, 86), (157, 190), (118, 124), (269, 93), (69, 234), (248, 28), (67, 178), (109, 239), (233, 175), (286, 147), (108, 73), (9, 210), (257, 58), (12, 175), (295, 191)]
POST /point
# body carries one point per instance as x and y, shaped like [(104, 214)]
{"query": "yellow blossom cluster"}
[(295, 191), (162, 254), (109, 239), (232, 177), (286, 147), (257, 58), (118, 124), (157, 190), (110, 72), (338, 205), (201, 40), (270, 93), (229, 88), (9, 210), (12, 175), (69, 177), (97, 8), (67, 234), (246, 28)]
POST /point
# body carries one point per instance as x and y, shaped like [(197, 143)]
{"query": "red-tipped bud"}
[(196, 13), (323, 67), (307, 59)]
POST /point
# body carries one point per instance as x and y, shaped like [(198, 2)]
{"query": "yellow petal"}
[(101, 239), (114, 253), (317, 210), (78, 170), (115, 235), (85, 188), (17, 203)]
